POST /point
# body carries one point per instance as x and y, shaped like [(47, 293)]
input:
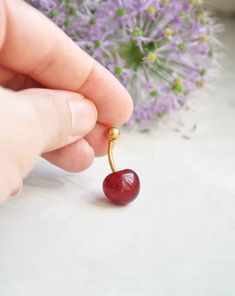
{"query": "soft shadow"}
[(45, 177), (43, 182), (102, 202)]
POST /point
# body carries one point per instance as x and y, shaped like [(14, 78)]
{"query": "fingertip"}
[(112, 100), (97, 138), (125, 109)]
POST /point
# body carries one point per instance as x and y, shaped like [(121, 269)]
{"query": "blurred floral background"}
[(161, 50)]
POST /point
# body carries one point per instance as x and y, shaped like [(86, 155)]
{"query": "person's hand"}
[(55, 100)]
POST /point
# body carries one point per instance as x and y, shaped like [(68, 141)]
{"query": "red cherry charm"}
[(121, 187)]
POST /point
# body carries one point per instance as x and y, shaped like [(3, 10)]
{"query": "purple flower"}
[(161, 50)]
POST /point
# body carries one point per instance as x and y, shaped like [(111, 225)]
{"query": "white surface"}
[(60, 237)]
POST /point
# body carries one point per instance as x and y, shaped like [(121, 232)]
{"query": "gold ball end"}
[(113, 134)]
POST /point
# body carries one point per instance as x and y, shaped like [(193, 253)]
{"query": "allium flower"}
[(161, 50)]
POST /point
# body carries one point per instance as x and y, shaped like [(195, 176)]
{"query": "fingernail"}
[(84, 115)]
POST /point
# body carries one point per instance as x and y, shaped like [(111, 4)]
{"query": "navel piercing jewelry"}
[(121, 187)]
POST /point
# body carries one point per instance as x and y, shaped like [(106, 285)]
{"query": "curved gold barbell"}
[(113, 135)]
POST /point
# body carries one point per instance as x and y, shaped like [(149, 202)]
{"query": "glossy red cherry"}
[(122, 187)]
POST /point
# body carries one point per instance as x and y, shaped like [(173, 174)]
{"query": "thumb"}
[(35, 121), (62, 117)]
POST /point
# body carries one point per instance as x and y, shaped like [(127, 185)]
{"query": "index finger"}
[(33, 45)]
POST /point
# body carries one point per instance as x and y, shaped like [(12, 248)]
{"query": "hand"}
[(55, 100)]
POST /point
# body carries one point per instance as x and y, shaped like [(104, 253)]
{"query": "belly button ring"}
[(120, 187)]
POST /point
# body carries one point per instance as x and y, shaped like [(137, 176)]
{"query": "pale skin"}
[(55, 100)]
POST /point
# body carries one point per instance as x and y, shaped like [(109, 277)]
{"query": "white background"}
[(61, 237)]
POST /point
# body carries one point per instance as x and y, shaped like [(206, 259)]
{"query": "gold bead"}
[(113, 134)]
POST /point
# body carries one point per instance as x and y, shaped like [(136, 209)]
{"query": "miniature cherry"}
[(120, 187)]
